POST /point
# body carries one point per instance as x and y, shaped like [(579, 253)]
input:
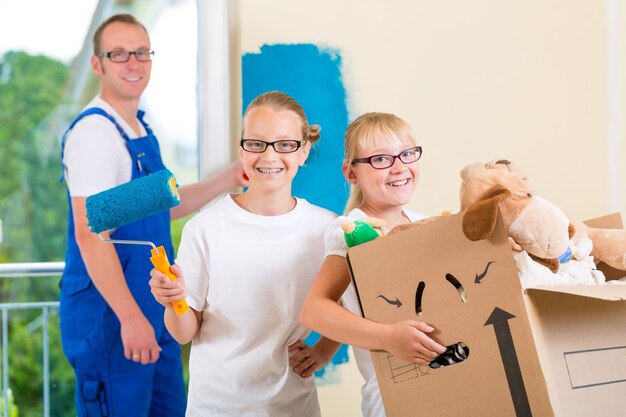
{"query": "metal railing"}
[(31, 269), (22, 270)]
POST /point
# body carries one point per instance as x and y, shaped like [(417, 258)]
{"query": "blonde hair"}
[(370, 130), (281, 101)]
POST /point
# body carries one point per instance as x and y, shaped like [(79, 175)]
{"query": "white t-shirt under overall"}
[(371, 403), (96, 156), (248, 275)]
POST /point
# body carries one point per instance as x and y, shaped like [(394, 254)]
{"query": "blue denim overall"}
[(108, 384)]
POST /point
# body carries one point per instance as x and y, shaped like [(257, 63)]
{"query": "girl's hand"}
[(305, 360), (166, 291), (409, 341)]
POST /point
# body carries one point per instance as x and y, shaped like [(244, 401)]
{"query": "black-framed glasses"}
[(280, 146), (383, 161), (142, 55)]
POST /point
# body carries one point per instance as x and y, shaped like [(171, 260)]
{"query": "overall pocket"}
[(93, 398)]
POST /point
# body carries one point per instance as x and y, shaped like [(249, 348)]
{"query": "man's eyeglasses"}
[(280, 146), (142, 55), (383, 161)]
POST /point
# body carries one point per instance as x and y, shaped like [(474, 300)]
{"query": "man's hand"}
[(139, 341)]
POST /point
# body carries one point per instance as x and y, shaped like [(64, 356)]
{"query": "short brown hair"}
[(121, 17)]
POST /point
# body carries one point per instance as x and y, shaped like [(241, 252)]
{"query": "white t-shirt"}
[(96, 157), (248, 275), (371, 403)]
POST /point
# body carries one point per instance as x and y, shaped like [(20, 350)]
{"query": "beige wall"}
[(522, 80)]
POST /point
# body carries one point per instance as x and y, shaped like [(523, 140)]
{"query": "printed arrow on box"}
[(500, 321)]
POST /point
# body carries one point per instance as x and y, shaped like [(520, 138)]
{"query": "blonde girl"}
[(248, 262), (381, 164)]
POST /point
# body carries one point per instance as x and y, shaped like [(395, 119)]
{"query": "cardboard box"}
[(557, 351)]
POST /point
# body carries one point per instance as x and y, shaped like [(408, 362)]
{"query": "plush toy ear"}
[(479, 219), (507, 166), (551, 264), (400, 228), (405, 226), (571, 230)]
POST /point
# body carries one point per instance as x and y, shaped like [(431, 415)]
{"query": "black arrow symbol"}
[(500, 321), (396, 303), (481, 276)]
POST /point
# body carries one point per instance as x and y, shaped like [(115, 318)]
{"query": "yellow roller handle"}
[(160, 262)]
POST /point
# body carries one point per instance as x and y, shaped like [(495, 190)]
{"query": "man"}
[(125, 361)]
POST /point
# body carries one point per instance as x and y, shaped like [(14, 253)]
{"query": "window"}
[(45, 80)]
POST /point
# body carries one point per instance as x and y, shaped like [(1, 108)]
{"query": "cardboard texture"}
[(580, 369), (580, 335)]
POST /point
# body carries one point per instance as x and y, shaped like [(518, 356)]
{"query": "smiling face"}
[(388, 188), (125, 80), (271, 171)]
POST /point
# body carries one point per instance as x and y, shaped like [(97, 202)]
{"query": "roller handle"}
[(161, 263)]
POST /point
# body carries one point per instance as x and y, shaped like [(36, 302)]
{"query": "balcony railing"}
[(27, 270)]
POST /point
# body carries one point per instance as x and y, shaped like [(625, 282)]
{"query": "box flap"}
[(582, 349), (609, 221), (610, 292)]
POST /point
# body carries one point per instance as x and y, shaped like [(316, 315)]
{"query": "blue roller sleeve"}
[(132, 201)]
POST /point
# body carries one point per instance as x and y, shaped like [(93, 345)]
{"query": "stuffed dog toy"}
[(535, 224), (607, 245)]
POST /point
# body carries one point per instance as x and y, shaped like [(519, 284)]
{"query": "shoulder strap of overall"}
[(89, 112)]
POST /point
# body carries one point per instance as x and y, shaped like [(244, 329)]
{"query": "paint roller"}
[(132, 201)]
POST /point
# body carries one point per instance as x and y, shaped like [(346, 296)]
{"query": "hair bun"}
[(313, 133)]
